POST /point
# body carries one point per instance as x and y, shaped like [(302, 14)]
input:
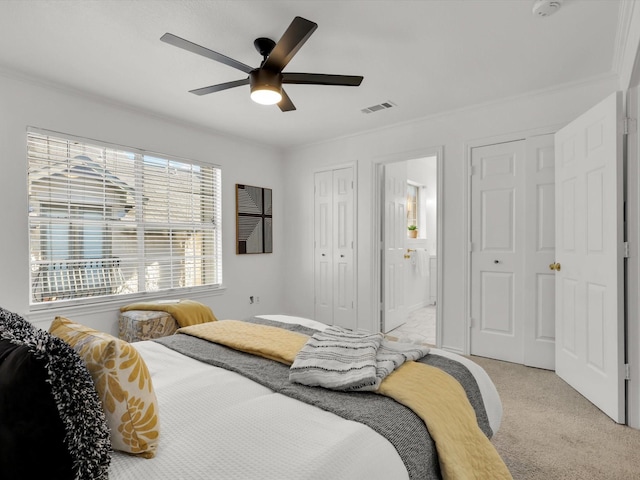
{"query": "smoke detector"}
[(544, 8)]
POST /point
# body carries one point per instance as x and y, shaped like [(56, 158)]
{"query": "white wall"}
[(25, 103), (454, 131)]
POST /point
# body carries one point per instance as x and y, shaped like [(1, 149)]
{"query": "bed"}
[(238, 417)]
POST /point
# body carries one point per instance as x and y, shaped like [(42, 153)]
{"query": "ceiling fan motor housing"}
[(264, 46), (261, 79)]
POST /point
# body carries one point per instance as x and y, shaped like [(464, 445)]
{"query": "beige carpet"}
[(551, 432)]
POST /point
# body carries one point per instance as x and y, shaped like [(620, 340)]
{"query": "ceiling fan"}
[(266, 81)]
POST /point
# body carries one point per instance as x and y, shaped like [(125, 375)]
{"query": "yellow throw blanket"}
[(269, 342), (438, 399), (185, 312), (465, 453)]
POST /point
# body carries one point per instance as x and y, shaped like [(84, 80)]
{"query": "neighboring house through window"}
[(107, 220)]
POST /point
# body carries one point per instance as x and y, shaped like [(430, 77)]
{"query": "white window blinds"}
[(107, 220)]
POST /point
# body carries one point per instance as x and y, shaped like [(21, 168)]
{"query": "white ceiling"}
[(427, 56)]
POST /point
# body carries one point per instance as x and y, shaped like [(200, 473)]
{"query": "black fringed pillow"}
[(51, 420)]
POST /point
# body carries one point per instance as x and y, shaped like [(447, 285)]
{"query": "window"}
[(107, 220), (412, 204)]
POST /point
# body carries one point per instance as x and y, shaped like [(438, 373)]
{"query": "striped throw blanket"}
[(343, 360)]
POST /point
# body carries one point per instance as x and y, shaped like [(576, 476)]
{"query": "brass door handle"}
[(555, 266), (407, 256)]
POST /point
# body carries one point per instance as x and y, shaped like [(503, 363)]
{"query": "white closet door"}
[(513, 239), (539, 251), (343, 278), (334, 248), (323, 251), (589, 251), (497, 265)]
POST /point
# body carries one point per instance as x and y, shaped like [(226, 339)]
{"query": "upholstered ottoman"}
[(136, 325)]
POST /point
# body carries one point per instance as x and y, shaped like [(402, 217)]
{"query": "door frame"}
[(632, 283), (466, 170), (377, 240)]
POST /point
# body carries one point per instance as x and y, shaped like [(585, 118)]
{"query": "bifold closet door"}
[(334, 248), (323, 255)]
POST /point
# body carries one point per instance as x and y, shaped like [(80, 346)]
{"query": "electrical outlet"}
[(257, 299)]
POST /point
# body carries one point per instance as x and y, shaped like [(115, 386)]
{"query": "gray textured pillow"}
[(86, 435)]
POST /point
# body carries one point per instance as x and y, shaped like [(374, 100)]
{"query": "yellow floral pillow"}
[(123, 384)]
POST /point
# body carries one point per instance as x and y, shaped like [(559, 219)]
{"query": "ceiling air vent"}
[(379, 107)]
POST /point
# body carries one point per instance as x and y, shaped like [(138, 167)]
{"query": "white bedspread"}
[(217, 424)]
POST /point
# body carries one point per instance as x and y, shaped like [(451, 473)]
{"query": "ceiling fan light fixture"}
[(266, 87), (265, 95)]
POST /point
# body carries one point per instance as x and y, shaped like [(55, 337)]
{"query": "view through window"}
[(107, 220), (412, 206)]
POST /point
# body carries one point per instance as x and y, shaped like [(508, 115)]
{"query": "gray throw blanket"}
[(397, 423), (350, 361)]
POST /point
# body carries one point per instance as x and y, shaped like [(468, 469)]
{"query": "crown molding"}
[(627, 42)]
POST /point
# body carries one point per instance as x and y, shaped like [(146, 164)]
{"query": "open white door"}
[(395, 241), (589, 256)]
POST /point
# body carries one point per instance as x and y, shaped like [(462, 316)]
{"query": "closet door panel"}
[(343, 228), (323, 252)]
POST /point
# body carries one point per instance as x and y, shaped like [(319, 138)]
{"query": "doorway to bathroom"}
[(408, 198)]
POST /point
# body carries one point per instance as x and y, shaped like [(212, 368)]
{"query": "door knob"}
[(555, 266)]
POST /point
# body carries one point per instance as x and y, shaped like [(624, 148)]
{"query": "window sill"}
[(45, 313)]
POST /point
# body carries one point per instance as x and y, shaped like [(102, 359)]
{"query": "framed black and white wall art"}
[(254, 219)]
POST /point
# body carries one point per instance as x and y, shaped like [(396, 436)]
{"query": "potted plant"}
[(413, 231)]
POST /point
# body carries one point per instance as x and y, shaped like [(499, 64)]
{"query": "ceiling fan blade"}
[(322, 79), (219, 87), (292, 40), (205, 52), (286, 105)]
